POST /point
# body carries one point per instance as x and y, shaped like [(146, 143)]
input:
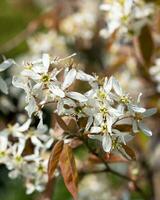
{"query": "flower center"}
[(104, 111), (104, 128), (138, 117), (41, 169), (102, 95), (124, 18), (45, 78), (125, 99), (122, 2), (78, 110), (29, 67), (2, 154), (19, 159)]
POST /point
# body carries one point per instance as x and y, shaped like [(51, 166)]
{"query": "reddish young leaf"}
[(94, 159), (129, 152), (124, 127), (72, 125), (146, 45), (82, 122), (112, 158), (69, 170), (75, 143), (54, 158), (61, 123)]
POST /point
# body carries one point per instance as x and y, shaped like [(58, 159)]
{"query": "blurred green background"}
[(15, 15)]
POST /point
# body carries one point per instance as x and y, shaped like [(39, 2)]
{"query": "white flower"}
[(38, 182), (59, 89), (18, 130), (105, 129), (3, 66), (102, 109), (138, 124), (17, 161), (126, 16), (4, 149), (123, 137), (117, 15), (123, 98)]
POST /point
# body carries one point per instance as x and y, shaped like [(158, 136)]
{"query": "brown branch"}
[(108, 169)]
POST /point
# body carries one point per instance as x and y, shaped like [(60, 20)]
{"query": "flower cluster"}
[(106, 107), (81, 25), (105, 104), (126, 16), (23, 149), (47, 42)]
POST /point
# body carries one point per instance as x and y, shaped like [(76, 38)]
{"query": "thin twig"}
[(109, 170)]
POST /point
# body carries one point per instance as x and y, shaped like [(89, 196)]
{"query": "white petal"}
[(21, 146), (25, 126), (89, 123), (69, 102), (31, 107), (109, 124), (46, 61), (136, 108), (41, 127), (36, 142), (69, 78), (135, 126), (84, 76), (77, 96), (114, 112), (105, 7), (3, 143), (107, 143), (6, 64), (49, 143), (117, 87), (139, 98), (31, 74), (112, 26), (149, 112), (128, 137), (145, 129), (127, 6), (37, 87), (57, 91), (98, 118), (19, 82), (108, 85), (30, 188), (14, 174), (60, 107), (3, 86), (95, 129)]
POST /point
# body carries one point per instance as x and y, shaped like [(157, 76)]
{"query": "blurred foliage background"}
[(25, 28)]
